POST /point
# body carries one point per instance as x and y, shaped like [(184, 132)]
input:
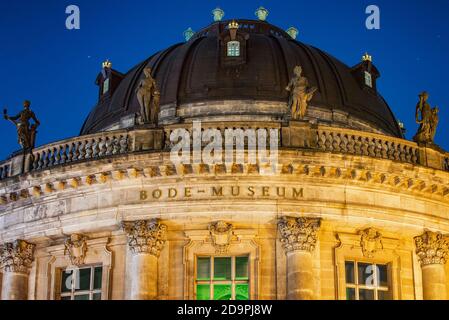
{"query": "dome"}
[(196, 81)]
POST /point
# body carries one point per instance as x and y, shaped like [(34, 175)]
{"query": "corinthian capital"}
[(299, 233), (432, 248), (145, 236), (16, 256)]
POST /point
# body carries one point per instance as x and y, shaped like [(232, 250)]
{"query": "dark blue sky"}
[(55, 68)]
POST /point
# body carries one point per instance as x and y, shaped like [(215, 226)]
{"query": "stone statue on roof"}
[(26, 132), (148, 96), (427, 118), (300, 94)]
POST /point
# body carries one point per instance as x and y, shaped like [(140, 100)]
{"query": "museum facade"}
[(351, 210)]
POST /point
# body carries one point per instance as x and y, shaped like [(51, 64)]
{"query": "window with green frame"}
[(81, 283), (222, 278)]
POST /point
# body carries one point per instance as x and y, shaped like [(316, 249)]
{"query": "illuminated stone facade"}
[(339, 200)]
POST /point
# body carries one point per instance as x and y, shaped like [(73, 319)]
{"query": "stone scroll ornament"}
[(432, 248), (76, 248), (16, 256), (26, 131), (145, 236), (427, 118), (148, 97), (221, 235), (299, 233), (300, 94)]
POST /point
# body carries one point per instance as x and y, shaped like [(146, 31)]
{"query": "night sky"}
[(55, 68)]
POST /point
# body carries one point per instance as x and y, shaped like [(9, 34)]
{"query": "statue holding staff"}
[(26, 131)]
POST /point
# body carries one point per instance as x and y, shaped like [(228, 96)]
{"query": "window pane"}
[(222, 292), (382, 275), (66, 298), (384, 295), (366, 274), (83, 281), (241, 268), (98, 273), (96, 296), (350, 293), (82, 297), (349, 269), (222, 269), (203, 269), (66, 281), (241, 292), (202, 292), (365, 294)]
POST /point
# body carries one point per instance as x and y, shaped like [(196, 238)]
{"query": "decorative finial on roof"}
[(218, 14), (188, 34), (107, 64), (367, 57), (292, 32), (262, 13), (233, 25)]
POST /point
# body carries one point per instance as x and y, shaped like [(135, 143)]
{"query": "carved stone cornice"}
[(16, 256), (432, 248), (76, 247), (221, 234), (145, 236), (299, 233), (370, 241)]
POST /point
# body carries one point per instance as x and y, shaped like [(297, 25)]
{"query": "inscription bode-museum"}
[(217, 192)]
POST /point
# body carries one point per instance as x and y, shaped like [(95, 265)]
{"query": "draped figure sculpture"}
[(148, 97), (427, 118), (300, 94), (26, 132)]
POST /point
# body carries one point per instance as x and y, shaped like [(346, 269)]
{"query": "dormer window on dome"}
[(233, 43), (366, 73), (107, 80)]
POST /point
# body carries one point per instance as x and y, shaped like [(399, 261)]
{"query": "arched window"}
[(233, 49)]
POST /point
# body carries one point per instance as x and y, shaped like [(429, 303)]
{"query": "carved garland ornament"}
[(145, 236), (370, 241), (76, 247), (299, 233), (432, 248), (221, 235), (16, 256)]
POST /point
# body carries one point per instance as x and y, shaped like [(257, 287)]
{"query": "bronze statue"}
[(428, 121), (26, 132), (148, 97), (300, 94)]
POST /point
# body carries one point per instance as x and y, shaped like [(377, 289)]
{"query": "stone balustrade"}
[(81, 148), (366, 144), (295, 135)]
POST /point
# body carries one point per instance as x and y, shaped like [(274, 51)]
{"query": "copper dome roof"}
[(193, 72)]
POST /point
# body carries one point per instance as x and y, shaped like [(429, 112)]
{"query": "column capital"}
[(145, 236), (298, 233), (16, 256), (432, 248)]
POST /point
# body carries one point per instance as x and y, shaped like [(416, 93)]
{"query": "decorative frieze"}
[(432, 248), (145, 236), (76, 248), (299, 233), (16, 256), (221, 235), (370, 241)]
